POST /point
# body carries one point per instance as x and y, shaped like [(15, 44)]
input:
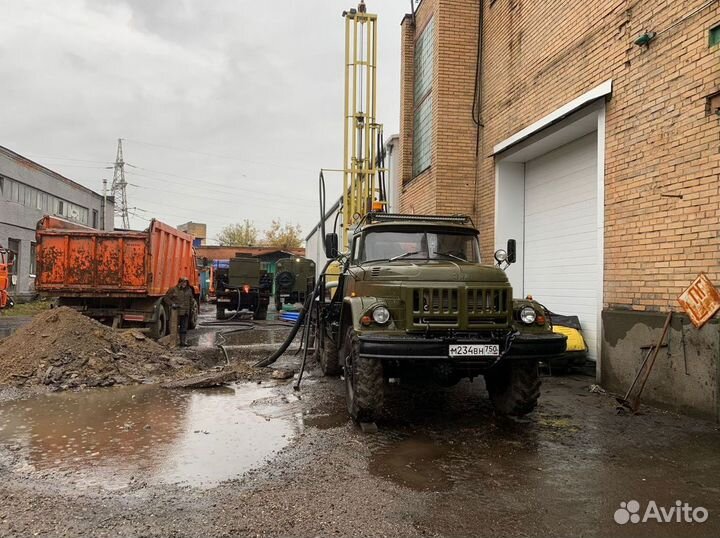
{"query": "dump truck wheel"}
[(364, 381), (514, 387), (159, 328), (194, 313), (220, 312), (261, 313)]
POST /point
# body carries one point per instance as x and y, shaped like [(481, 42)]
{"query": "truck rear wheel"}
[(327, 355), (220, 312), (261, 313), (364, 381), (514, 387), (158, 329)]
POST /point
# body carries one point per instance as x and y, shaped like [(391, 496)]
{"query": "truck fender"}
[(353, 309)]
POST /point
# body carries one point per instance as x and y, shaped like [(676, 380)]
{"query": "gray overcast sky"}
[(252, 90)]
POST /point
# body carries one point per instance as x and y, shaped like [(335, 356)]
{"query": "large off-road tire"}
[(328, 357), (514, 387), (364, 381), (326, 354), (220, 312), (194, 313), (158, 329)]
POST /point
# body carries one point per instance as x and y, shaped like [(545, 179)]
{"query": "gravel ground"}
[(440, 464)]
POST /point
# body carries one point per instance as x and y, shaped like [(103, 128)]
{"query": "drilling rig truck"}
[(412, 298)]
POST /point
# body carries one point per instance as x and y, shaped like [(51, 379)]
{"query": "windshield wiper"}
[(449, 255), (403, 255)]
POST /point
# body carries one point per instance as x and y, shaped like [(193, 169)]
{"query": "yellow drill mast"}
[(362, 188)]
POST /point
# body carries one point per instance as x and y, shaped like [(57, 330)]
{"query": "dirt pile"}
[(64, 349)]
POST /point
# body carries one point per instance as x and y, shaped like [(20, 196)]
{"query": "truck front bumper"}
[(389, 347)]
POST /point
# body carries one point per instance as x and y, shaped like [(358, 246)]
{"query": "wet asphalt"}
[(265, 459)]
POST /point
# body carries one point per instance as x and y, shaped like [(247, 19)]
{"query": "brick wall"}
[(660, 142), (444, 187)]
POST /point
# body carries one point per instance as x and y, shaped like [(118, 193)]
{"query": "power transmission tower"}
[(119, 187)]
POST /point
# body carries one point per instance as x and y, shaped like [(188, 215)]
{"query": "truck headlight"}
[(381, 315), (528, 315)]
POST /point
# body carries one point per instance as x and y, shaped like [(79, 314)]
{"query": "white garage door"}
[(561, 236)]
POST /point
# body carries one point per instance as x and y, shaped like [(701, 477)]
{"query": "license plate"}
[(474, 350), (223, 300)]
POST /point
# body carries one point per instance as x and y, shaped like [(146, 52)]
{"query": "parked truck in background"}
[(295, 280), (117, 277), (242, 285)]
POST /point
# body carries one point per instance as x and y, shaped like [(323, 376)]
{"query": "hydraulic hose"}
[(299, 323)]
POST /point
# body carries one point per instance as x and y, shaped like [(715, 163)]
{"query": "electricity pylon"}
[(119, 187)]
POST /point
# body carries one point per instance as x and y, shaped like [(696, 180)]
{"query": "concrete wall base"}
[(686, 375)]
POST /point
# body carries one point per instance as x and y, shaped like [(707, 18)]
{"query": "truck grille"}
[(460, 307)]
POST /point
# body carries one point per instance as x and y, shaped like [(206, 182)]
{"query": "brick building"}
[(589, 132)]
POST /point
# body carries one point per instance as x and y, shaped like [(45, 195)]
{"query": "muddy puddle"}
[(260, 336), (127, 435)]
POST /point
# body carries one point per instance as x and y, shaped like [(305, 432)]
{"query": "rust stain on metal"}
[(700, 301), (75, 259)]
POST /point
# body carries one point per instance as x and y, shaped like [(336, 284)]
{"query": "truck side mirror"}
[(331, 245), (511, 251)]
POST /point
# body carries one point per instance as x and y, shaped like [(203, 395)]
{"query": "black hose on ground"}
[(306, 336)]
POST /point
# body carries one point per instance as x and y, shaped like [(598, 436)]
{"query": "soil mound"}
[(64, 349)]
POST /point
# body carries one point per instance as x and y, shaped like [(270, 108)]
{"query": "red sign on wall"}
[(700, 301)]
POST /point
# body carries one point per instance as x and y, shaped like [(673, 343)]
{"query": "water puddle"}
[(119, 436), (259, 336), (415, 463), (326, 422)]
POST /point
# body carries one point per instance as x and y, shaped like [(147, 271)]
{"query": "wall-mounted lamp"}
[(645, 39)]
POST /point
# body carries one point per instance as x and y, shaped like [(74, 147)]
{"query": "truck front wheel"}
[(220, 311), (514, 387), (364, 381)]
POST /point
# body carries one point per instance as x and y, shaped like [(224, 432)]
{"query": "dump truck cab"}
[(242, 286), (414, 300)]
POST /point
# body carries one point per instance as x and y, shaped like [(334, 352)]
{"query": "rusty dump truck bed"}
[(76, 260)]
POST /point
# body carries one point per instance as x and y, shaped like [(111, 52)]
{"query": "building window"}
[(714, 36), (424, 66), (36, 199), (32, 258), (95, 218)]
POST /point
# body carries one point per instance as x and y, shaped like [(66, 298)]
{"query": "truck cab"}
[(414, 300)]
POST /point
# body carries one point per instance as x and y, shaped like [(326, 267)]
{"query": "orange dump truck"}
[(119, 277)]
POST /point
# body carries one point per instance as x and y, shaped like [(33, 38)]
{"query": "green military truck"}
[(413, 300), (294, 282), (242, 286)]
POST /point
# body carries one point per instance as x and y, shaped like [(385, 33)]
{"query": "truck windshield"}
[(442, 245)]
